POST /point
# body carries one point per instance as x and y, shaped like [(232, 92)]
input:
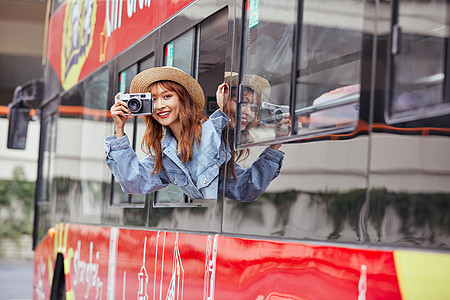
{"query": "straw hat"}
[(143, 80), (260, 85)]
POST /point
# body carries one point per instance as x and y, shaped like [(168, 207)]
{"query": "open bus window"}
[(211, 35), (419, 50), (327, 79), (118, 196)]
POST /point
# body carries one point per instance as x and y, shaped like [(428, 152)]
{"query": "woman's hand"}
[(118, 111), (222, 94)]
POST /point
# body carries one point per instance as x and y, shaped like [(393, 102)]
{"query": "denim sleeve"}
[(251, 182), (133, 175), (219, 120)]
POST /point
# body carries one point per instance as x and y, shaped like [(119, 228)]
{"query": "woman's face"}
[(166, 107), (248, 110)]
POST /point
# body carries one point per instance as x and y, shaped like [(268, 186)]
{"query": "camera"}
[(272, 113), (138, 104)]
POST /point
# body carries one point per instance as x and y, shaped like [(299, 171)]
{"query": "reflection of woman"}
[(182, 145), (247, 184)]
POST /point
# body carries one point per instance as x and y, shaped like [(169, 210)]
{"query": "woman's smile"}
[(163, 114)]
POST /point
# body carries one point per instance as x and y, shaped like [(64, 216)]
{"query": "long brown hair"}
[(229, 138), (191, 119)]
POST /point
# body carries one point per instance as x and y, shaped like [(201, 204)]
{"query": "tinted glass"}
[(180, 52), (419, 50)]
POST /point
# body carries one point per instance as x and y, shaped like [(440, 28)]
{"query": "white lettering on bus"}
[(114, 12), (131, 6), (87, 272), (113, 15)]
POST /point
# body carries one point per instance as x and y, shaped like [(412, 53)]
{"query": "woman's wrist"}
[(275, 146), (119, 132)]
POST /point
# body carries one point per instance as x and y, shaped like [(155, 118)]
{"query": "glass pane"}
[(419, 55), (49, 140), (125, 78), (93, 176), (211, 62), (328, 79), (132, 127), (96, 96), (147, 63), (267, 67), (180, 52), (140, 129)]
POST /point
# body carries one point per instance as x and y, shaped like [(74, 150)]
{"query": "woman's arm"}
[(134, 176), (250, 183)]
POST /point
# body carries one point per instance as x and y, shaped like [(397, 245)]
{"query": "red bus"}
[(361, 206)]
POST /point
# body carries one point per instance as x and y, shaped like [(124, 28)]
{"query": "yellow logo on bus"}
[(78, 30)]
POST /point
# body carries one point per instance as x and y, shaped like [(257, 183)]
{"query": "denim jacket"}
[(198, 178), (251, 182)]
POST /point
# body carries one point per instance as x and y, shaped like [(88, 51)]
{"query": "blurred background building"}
[(22, 27)]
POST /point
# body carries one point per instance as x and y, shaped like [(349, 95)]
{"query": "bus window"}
[(147, 63), (267, 57), (419, 49), (93, 175), (118, 196), (180, 52), (212, 42), (211, 62), (328, 63)]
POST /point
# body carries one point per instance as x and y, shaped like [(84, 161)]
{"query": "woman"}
[(181, 143)]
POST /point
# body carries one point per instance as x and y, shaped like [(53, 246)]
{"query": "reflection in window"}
[(147, 63), (268, 55), (180, 52), (329, 65), (96, 95), (135, 129), (49, 140), (419, 46), (328, 68)]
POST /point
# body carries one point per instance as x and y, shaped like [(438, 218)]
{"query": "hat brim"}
[(144, 79), (257, 83)]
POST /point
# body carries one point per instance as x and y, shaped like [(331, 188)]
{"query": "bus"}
[(361, 206)]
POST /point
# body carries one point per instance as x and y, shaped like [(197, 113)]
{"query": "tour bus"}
[(360, 208)]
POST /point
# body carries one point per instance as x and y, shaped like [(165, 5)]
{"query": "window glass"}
[(212, 39), (49, 140), (327, 72), (96, 96), (180, 52), (147, 63), (131, 129), (93, 176), (267, 66), (328, 79), (419, 51)]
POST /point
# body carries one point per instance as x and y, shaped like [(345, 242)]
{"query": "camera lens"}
[(134, 105), (278, 114)]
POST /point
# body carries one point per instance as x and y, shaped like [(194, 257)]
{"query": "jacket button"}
[(205, 181), (175, 182)]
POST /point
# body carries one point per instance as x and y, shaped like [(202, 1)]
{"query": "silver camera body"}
[(138, 104), (272, 113)]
